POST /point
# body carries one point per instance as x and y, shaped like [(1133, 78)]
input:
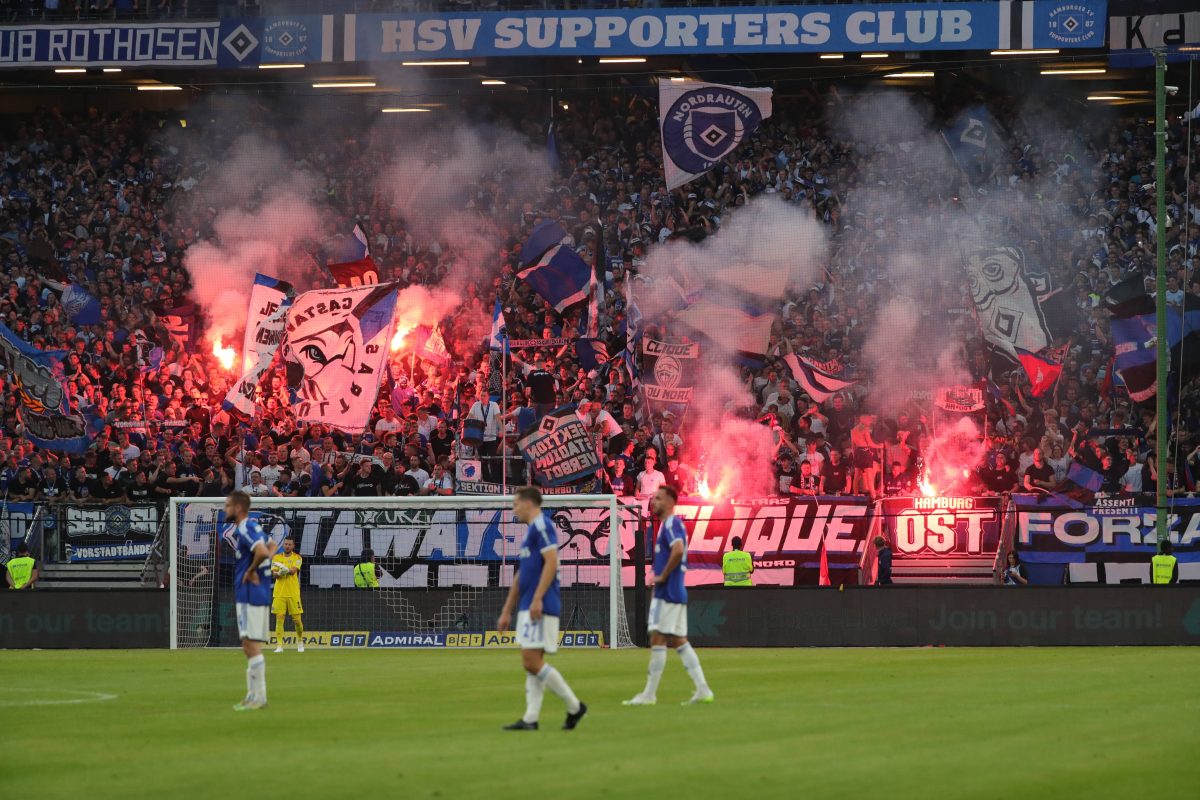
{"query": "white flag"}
[(269, 302), (336, 350), (701, 123)]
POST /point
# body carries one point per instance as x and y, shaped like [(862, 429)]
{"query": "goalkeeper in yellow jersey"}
[(286, 600)]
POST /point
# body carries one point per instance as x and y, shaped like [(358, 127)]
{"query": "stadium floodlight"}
[(436, 63), (493, 82), (873, 55), (832, 56), (623, 60), (1076, 71), (69, 70), (446, 565), (1105, 97), (281, 66), (344, 85), (111, 69), (909, 75), (159, 87), (1031, 52), (405, 110)]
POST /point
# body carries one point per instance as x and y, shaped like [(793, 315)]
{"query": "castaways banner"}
[(786, 536), (668, 374), (270, 299), (701, 123), (559, 449), (1109, 541), (336, 346)]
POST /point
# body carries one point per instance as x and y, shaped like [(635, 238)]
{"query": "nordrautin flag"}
[(701, 123)]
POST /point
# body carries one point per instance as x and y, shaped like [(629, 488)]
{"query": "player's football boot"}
[(249, 704), (640, 700), (573, 719), (706, 696), (279, 649), (521, 725), (300, 648)]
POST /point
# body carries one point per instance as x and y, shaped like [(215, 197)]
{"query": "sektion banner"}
[(559, 449), (115, 533)]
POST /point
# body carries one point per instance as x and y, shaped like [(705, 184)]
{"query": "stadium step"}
[(91, 576), (955, 570)]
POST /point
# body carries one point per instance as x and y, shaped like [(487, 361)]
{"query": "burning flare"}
[(226, 355), (704, 490), (398, 339)]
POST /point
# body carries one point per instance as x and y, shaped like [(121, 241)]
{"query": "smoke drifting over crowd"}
[(763, 253)]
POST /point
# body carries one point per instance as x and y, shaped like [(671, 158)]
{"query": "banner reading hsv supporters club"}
[(270, 299), (1109, 541), (336, 346)]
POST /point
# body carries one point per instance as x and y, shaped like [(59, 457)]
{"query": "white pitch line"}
[(88, 697)]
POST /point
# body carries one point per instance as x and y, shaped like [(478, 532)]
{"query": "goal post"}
[(446, 564)]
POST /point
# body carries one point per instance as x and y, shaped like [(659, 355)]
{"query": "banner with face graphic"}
[(668, 374), (270, 299), (336, 345), (1005, 303), (701, 123)]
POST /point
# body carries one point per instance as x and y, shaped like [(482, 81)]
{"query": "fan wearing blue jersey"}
[(668, 607), (252, 594), (534, 594)]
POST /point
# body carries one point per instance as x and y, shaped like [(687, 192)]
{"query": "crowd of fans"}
[(104, 199)]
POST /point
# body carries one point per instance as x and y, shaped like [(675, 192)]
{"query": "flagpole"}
[(1160, 293), (503, 405)]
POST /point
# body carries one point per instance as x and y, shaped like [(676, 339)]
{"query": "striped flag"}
[(818, 380)]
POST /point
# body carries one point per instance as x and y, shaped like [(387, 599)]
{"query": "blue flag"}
[(81, 307), (561, 277), (552, 147), (44, 411), (970, 137), (543, 236), (592, 353)]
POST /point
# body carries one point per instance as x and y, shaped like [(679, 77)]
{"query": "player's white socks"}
[(553, 680), (256, 678), (534, 692), (691, 662), (658, 663)]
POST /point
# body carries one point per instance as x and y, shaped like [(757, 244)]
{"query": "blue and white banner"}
[(756, 29), (44, 412), (270, 299), (701, 123), (233, 42), (1110, 540)]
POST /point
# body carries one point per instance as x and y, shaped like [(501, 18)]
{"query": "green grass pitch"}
[(932, 723)]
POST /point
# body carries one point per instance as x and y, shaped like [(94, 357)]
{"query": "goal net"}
[(446, 564)]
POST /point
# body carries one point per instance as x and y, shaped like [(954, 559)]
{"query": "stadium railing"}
[(1008, 532)]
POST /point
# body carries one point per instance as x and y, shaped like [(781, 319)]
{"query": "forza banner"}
[(335, 350), (1110, 541)]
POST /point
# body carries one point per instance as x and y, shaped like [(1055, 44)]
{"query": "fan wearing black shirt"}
[(363, 482), (141, 490), (1001, 477), (398, 483), (25, 487), (1039, 476), (897, 482), (54, 487), (837, 473)]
